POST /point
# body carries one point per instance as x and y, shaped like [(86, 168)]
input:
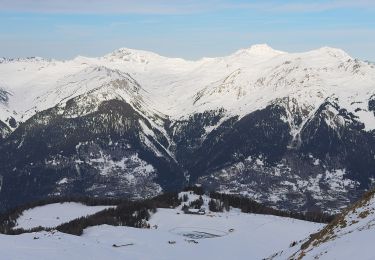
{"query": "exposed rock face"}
[(103, 153), (329, 168)]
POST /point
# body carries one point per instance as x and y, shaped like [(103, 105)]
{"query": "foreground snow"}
[(350, 236), (230, 235), (55, 214)]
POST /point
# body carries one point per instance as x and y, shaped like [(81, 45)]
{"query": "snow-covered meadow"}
[(173, 235), (55, 214)]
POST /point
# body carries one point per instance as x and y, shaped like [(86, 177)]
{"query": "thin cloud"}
[(174, 6), (325, 5), (103, 6)]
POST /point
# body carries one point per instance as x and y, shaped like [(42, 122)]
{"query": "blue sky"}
[(186, 28)]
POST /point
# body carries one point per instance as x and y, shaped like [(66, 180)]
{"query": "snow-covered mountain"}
[(294, 130), (242, 82)]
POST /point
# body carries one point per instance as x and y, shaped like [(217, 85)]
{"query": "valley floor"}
[(173, 235)]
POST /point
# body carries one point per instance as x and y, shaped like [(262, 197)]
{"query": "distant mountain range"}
[(291, 130)]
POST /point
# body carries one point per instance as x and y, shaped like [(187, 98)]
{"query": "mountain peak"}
[(333, 52), (260, 49), (134, 55)]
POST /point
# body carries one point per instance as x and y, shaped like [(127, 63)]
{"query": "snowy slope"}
[(349, 236), (242, 82), (253, 237), (250, 79), (52, 215)]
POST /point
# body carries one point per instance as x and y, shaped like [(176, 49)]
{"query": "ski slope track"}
[(292, 130)]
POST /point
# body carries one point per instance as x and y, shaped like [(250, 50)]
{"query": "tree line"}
[(137, 213), (127, 213), (221, 201)]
